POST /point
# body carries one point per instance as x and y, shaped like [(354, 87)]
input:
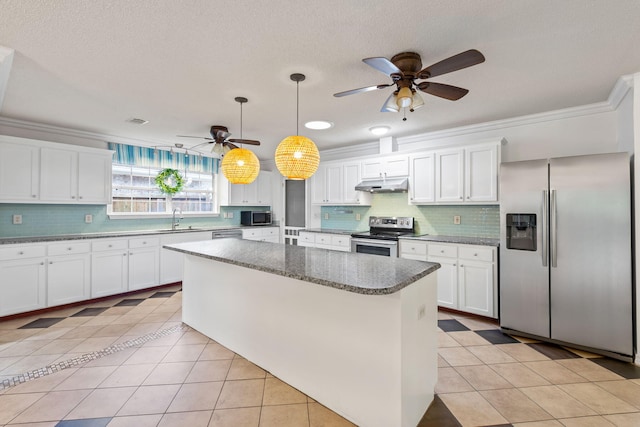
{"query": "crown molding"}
[(357, 150)]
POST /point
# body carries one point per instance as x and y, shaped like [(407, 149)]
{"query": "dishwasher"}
[(230, 232)]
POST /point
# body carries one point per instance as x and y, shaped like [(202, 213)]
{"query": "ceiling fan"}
[(406, 67), (220, 135)]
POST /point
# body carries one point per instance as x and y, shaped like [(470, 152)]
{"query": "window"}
[(135, 193)]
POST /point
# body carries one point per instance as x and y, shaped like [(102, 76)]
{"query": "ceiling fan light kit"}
[(297, 157), (406, 67)]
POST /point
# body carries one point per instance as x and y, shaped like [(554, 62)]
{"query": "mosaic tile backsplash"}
[(475, 220), (48, 220)]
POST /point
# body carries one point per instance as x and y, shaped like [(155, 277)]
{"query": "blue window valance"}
[(159, 158)]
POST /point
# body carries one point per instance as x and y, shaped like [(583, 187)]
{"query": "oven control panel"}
[(395, 222)]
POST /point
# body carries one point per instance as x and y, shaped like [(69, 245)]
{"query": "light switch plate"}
[(326, 215), (229, 215), (88, 219), (17, 219), (357, 217)]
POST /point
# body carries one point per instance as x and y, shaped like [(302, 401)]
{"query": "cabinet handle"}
[(461, 265), (34, 196), (69, 249), (144, 243), (42, 263), (455, 265), (73, 197), (20, 253), (475, 254), (124, 254), (110, 246), (50, 262), (80, 197), (441, 251)]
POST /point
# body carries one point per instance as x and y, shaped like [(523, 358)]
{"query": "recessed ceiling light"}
[(318, 124), (379, 130)]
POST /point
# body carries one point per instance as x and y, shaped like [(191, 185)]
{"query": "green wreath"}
[(170, 181)]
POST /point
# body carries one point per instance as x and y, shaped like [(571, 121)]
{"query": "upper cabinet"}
[(334, 184), (43, 172), (258, 193), (385, 167), (455, 176)]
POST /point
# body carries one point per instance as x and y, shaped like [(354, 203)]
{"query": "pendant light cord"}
[(241, 120), (297, 108)]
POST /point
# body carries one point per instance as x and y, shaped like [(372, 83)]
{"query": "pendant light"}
[(239, 165), (297, 157)]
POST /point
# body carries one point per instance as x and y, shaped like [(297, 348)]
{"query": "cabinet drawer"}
[(413, 248), (251, 234), (108, 245), (71, 247), (144, 242), (476, 253), (342, 241), (306, 237), (323, 239), (442, 250), (269, 232), (22, 252)]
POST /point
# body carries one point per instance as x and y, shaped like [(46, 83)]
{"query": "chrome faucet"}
[(175, 223)]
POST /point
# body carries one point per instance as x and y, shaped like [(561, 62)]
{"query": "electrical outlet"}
[(357, 217), (229, 215), (17, 219), (326, 215), (456, 219)]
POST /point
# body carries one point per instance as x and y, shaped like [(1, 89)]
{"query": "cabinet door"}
[(351, 178), (422, 178), (109, 273), (396, 166), (318, 187), (264, 188), (333, 182), (250, 193), (58, 175), (68, 279), (143, 268), (447, 276), (481, 174), (236, 194), (23, 285), (94, 178), (372, 168), (476, 287), (449, 176), (19, 172)]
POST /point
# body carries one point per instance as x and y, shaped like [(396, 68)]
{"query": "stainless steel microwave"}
[(255, 217)]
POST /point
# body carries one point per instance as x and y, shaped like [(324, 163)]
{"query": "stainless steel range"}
[(382, 237)]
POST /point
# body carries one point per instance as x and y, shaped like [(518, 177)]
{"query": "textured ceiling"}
[(92, 65)]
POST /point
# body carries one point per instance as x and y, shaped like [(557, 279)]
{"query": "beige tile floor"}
[(186, 379)]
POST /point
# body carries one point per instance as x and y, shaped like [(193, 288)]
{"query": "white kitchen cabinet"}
[(447, 276), (334, 184), (258, 193), (144, 262), (449, 176), (332, 241), (58, 175), (19, 172), (422, 178), (68, 272), (171, 262), (385, 167), (22, 278), (109, 267), (481, 173), (94, 178), (351, 176), (262, 234), (412, 249)]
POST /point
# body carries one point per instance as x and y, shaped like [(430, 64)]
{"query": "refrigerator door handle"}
[(553, 235), (545, 222)]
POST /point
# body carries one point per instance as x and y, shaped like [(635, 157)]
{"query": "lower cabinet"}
[(68, 272), (109, 267), (336, 242), (171, 261), (144, 262), (22, 285), (467, 277), (262, 234)]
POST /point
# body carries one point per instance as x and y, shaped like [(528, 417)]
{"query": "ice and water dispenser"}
[(521, 232)]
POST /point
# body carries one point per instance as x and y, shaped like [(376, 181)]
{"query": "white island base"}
[(370, 358)]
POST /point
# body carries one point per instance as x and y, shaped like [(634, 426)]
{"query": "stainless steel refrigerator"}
[(565, 251)]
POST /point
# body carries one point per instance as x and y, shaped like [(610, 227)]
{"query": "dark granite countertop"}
[(111, 234), (463, 240), (358, 273)]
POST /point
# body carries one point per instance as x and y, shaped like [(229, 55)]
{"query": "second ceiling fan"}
[(406, 67)]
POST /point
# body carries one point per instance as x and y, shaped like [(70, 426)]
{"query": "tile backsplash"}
[(475, 220), (47, 220)]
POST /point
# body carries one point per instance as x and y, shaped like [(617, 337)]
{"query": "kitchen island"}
[(357, 333)]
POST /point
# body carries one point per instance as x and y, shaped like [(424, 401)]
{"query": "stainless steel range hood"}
[(389, 185)]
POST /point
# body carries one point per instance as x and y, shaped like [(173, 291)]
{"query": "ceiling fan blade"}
[(199, 137), (452, 93), (362, 89), (453, 63), (230, 145), (244, 141), (383, 65)]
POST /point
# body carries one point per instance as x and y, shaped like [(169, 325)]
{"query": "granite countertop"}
[(358, 273), (484, 241), (331, 231), (111, 234)]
